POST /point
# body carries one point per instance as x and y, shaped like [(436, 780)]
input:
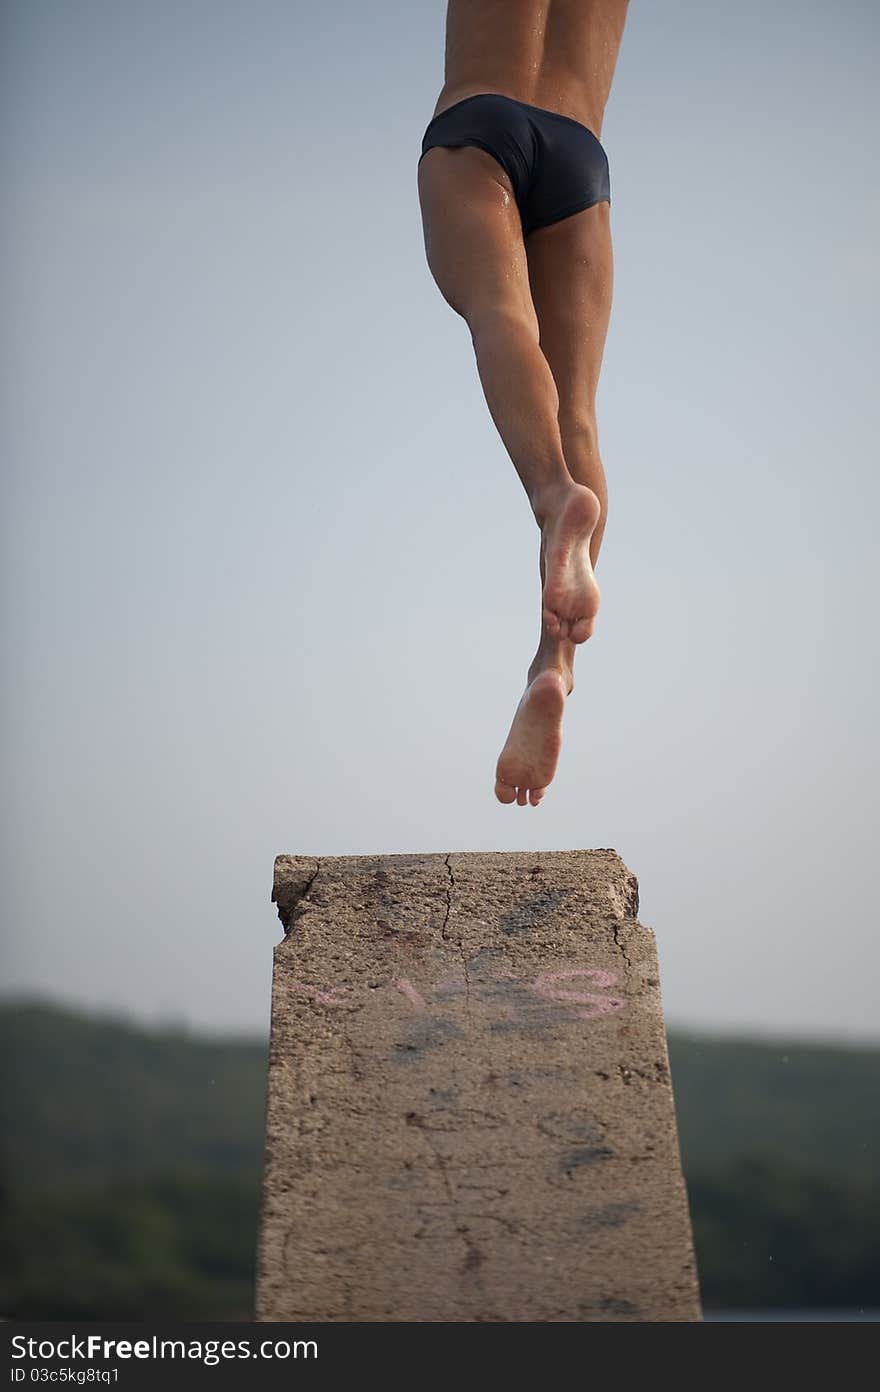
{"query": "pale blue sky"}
[(270, 580)]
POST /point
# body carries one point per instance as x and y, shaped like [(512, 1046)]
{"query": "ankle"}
[(552, 665), (547, 502)]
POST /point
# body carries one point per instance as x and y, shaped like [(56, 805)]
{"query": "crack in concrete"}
[(514, 1228), (353, 1055), (449, 888), (418, 1122), (620, 947), (473, 1257), (460, 943)]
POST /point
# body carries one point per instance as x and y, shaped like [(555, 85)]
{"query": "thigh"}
[(473, 233), (571, 274)]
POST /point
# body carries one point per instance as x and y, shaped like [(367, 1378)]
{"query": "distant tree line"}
[(131, 1167)]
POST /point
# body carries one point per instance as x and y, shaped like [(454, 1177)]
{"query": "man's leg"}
[(571, 275), (571, 272), (475, 250)]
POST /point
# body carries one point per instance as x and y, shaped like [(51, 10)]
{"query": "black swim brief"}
[(556, 165)]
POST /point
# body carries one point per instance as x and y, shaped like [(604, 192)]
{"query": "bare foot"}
[(571, 595), (528, 760)]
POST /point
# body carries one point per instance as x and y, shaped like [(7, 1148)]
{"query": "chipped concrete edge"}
[(294, 876)]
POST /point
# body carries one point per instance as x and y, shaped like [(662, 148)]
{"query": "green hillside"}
[(131, 1162), (98, 1101), (813, 1105)]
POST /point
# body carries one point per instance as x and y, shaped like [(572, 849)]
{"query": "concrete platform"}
[(469, 1111)]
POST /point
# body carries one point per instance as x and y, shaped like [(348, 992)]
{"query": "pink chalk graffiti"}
[(547, 986), (550, 986), (315, 993), (406, 988)]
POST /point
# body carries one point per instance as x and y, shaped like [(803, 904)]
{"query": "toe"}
[(535, 796), (522, 797), (504, 792)]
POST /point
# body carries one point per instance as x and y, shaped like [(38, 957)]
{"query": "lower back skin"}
[(556, 54)]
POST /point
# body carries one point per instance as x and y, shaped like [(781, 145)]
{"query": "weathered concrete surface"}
[(469, 1110)]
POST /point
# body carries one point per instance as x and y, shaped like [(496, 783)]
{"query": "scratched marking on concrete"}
[(578, 1126), (585, 1155), (609, 1215), (425, 1033), (526, 916)]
